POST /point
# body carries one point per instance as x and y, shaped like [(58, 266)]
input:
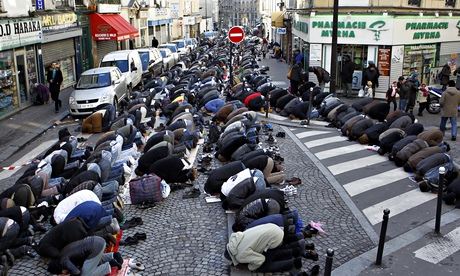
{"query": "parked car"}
[(129, 63), (168, 58), (151, 60), (182, 47), (97, 87), (173, 49), (191, 42)]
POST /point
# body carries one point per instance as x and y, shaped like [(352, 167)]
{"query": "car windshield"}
[(170, 47), (121, 64), (94, 81), (163, 53), (145, 58), (180, 44)]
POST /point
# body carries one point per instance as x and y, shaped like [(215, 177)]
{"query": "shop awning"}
[(278, 19), (111, 27)]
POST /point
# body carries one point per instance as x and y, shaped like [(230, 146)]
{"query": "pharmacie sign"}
[(353, 29), (20, 32), (427, 30)]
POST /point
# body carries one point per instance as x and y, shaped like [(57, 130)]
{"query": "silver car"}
[(96, 87)]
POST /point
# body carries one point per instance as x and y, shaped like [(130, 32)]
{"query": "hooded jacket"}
[(402, 122), (247, 247), (69, 203), (450, 100), (409, 150), (432, 136), (422, 154)]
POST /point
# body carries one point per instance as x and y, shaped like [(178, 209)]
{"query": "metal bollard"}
[(383, 233), (329, 259), (310, 99), (267, 105), (437, 225)]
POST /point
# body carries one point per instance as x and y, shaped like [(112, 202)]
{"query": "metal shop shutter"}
[(104, 47), (450, 48), (57, 50)]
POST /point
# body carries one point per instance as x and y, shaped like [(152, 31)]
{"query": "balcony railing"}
[(424, 4)]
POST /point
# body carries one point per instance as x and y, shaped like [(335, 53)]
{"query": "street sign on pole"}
[(236, 34)]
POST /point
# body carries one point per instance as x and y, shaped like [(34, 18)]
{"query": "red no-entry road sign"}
[(236, 34)]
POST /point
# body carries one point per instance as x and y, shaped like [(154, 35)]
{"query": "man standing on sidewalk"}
[(348, 68), (450, 100), (55, 79)]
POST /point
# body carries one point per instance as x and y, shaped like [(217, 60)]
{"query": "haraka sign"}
[(236, 34)]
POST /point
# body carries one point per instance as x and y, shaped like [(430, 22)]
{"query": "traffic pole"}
[(310, 99), (329, 259), (383, 234), (231, 65), (437, 226)]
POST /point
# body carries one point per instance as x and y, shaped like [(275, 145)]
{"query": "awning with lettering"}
[(111, 27)]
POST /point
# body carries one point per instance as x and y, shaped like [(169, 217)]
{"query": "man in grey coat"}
[(450, 100)]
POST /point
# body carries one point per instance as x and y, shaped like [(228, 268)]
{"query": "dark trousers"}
[(394, 103), (277, 260), (422, 107), (54, 89), (294, 87)]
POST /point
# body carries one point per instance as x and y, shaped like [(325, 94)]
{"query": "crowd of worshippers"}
[(418, 150)]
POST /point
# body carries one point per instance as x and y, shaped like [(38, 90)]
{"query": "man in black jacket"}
[(371, 73), (348, 68), (55, 79)]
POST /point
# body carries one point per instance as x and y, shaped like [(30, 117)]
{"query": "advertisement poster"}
[(384, 62)]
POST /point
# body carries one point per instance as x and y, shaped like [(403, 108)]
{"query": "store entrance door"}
[(21, 76), (358, 55)]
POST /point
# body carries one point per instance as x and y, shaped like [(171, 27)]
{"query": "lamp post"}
[(335, 19)]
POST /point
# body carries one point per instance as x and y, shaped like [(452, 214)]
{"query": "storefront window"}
[(420, 59), (8, 87), (68, 71), (31, 66)]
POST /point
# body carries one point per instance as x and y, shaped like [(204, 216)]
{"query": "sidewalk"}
[(26, 125)]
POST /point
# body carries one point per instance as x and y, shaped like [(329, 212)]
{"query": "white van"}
[(129, 63)]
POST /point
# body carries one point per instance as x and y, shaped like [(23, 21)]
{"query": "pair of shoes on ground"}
[(313, 272), (294, 181), (281, 134), (289, 190), (135, 221), (133, 240), (194, 193)]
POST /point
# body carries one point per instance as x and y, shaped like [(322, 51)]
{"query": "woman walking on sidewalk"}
[(55, 79), (391, 94), (422, 99)]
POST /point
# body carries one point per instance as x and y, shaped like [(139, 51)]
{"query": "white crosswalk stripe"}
[(339, 151), (398, 204), (376, 181), (356, 164), (310, 133), (441, 248), (325, 141)]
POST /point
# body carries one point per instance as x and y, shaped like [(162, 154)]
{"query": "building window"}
[(415, 2), (450, 3), (1, 6)]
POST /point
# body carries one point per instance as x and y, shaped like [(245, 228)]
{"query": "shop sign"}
[(353, 3), (59, 21), (281, 31), (427, 30), (370, 30), (384, 56), (190, 20), (19, 32), (40, 5)]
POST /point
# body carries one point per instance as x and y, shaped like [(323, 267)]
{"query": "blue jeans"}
[(453, 122), (402, 104)]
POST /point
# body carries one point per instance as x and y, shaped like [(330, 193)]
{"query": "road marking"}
[(319, 123), (356, 164), (324, 141), (29, 156), (339, 151), (310, 133), (373, 182), (440, 249), (397, 205)]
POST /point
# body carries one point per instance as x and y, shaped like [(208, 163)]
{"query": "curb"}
[(33, 138)]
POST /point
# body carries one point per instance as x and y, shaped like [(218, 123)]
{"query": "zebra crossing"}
[(372, 181), (374, 184)]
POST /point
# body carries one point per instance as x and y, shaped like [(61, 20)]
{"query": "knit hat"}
[(63, 134), (6, 203)]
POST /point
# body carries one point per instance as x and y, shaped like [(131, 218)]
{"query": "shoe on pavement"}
[(136, 265)]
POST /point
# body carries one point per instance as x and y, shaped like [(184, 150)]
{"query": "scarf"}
[(393, 93)]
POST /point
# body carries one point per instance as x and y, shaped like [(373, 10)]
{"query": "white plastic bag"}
[(361, 93)]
